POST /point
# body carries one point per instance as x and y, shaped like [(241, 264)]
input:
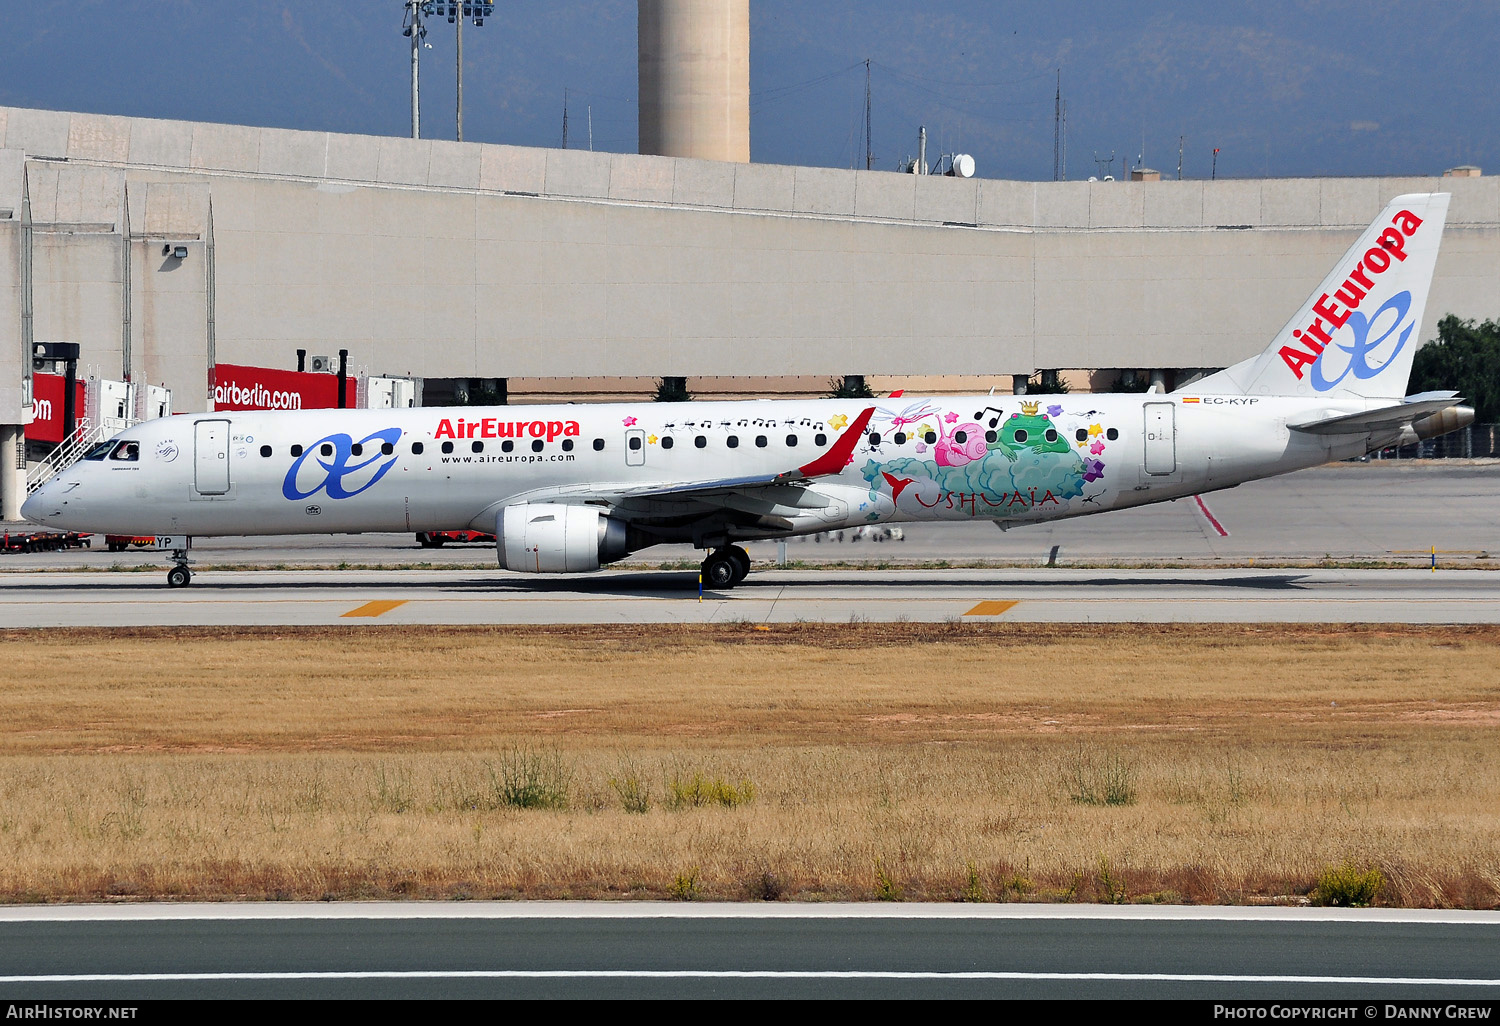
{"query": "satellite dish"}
[(1109, 178), (1093, 178), (963, 166)]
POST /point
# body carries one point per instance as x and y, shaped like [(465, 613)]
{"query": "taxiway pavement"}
[(468, 597)]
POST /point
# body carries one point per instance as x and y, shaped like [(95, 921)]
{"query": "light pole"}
[(457, 12), (413, 28)]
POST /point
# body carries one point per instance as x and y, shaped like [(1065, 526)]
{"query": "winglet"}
[(837, 457)]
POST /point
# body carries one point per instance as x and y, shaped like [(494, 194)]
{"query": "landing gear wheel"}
[(741, 562), (179, 577), (721, 570)]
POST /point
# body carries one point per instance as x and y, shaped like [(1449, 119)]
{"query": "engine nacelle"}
[(553, 538), (1454, 418)]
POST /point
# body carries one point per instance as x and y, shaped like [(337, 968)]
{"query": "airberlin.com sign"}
[(261, 388), (48, 392)]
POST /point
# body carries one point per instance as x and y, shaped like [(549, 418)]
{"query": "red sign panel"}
[(261, 388), (47, 391)]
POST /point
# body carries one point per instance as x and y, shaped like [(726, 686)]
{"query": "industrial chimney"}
[(695, 78)]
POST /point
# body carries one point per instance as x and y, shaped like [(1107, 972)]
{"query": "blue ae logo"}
[(1361, 348), (340, 478)]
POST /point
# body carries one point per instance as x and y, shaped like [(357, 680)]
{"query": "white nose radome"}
[(32, 509)]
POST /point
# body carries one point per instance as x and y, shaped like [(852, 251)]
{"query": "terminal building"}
[(170, 251)]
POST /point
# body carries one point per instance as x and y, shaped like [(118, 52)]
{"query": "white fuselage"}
[(934, 458)]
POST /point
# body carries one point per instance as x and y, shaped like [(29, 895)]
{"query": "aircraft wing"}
[(1413, 408), (732, 492)]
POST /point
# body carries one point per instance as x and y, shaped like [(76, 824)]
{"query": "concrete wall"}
[(442, 259)]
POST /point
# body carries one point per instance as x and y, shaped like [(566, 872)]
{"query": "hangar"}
[(166, 249)]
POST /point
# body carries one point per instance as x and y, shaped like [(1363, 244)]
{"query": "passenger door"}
[(1161, 439), (211, 457)]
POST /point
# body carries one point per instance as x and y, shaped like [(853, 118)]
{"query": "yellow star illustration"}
[(1095, 429), (837, 423), (651, 439)]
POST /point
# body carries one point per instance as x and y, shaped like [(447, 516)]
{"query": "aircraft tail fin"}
[(1355, 336)]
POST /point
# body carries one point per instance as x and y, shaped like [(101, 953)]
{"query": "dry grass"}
[(947, 762)]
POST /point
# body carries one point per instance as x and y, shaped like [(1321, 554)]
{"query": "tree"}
[(672, 390), (851, 386), (1465, 356)]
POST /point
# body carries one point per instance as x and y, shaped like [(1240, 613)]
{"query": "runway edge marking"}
[(148, 911)]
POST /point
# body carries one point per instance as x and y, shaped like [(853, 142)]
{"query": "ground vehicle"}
[(43, 541), (121, 542)]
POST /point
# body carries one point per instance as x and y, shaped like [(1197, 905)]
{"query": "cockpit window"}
[(127, 452), (99, 451)]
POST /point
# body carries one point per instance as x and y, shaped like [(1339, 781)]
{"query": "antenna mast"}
[(565, 117), (1057, 131), (869, 160)]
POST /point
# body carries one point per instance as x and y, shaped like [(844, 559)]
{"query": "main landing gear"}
[(179, 576), (726, 567)]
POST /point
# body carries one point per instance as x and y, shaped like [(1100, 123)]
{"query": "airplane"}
[(572, 488)]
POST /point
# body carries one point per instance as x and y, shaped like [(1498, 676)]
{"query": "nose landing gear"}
[(179, 576), (726, 567)]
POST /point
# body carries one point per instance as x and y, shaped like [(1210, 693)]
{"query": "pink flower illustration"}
[(950, 416), (629, 422), (1096, 448)]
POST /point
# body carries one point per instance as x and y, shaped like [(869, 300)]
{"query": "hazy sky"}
[(1321, 87)]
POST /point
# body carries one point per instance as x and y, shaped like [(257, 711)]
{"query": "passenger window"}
[(733, 441), (635, 442), (760, 441), (265, 450), (1021, 435), (598, 445), (355, 450), (476, 447), (1050, 436), (386, 448), (820, 439), (507, 446), (666, 442), (930, 437), (700, 441), (326, 450), (296, 450), (791, 441), (416, 448), (960, 437), (874, 437), (536, 445), (990, 436), (1111, 434), (567, 445), (900, 438), (447, 447), (1082, 434)]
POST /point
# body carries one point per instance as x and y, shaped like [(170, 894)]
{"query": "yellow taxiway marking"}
[(991, 608), (376, 608)]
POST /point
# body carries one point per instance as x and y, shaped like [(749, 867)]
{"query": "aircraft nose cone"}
[(32, 508)]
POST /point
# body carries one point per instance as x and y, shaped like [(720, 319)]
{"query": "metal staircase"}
[(84, 437)]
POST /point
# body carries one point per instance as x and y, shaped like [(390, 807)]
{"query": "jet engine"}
[(553, 538), (1454, 418)]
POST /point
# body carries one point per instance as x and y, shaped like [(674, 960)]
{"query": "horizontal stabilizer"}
[(1384, 419)]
